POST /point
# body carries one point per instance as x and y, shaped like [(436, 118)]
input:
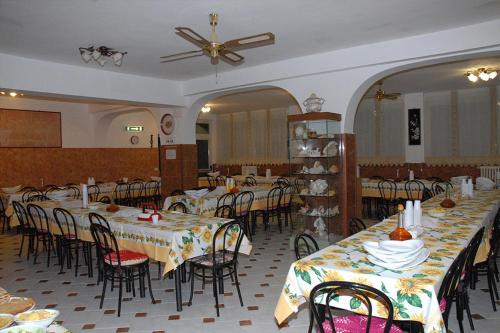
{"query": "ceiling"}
[(252, 100), (448, 76), (54, 29)]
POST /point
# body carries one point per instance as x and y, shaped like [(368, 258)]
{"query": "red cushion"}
[(442, 305), (127, 258), (357, 323)]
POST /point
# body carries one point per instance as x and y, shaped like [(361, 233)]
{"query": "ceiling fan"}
[(381, 94), (216, 49)]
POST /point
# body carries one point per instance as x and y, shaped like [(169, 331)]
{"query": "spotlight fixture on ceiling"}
[(205, 108), (101, 55), (484, 74)]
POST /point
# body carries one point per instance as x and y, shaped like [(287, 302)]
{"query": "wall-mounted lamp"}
[(205, 109), (11, 94)]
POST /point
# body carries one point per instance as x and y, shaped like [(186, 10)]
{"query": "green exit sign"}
[(134, 128)]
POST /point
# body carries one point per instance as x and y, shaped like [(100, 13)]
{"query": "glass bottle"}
[(400, 233)]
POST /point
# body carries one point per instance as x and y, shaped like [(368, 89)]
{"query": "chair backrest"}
[(225, 199), (178, 207), (150, 189), (231, 235), (242, 203), (434, 179), (138, 180), (304, 245), (93, 192), (73, 191), (438, 187), (98, 219), (27, 188), (37, 197), (387, 189), (105, 199), (136, 189), (220, 180), (50, 189), (327, 292), (274, 198), (21, 214), (282, 180), (38, 218), (121, 191), (107, 247), (212, 182), (450, 282), (382, 213), (356, 225), (471, 251), (66, 222), (288, 190), (29, 193), (224, 211), (2, 208), (177, 192), (250, 181), (414, 189), (426, 194)]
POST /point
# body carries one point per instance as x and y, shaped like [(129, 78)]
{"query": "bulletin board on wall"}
[(27, 128)]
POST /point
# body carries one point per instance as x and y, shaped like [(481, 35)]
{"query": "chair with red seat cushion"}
[(40, 223), (69, 242), (119, 265), (326, 292)]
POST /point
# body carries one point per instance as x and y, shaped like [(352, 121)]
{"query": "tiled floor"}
[(262, 276)]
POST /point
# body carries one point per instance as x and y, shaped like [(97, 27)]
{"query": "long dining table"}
[(176, 238), (207, 204), (413, 292)]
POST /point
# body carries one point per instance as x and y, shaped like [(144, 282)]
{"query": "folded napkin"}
[(483, 183), (196, 194), (415, 231), (430, 222)]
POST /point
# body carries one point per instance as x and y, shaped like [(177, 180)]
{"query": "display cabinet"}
[(323, 166)]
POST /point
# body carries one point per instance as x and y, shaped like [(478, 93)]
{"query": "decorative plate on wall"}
[(134, 139), (167, 124)]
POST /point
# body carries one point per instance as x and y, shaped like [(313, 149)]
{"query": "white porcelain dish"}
[(52, 315), (422, 256)]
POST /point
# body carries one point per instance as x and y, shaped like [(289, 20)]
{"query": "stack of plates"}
[(397, 255)]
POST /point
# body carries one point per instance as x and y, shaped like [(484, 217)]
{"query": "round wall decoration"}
[(134, 139), (167, 124)]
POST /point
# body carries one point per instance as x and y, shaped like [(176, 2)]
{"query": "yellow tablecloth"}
[(175, 239), (413, 292)]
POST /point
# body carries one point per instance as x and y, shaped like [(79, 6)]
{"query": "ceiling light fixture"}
[(484, 74), (101, 55), (12, 94), (205, 109)]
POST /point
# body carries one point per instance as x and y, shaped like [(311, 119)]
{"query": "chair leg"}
[(467, 309), (237, 284), (214, 284), (103, 294), (491, 282), (460, 312), (159, 270), (120, 291), (77, 254), (21, 247), (191, 277), (149, 284)]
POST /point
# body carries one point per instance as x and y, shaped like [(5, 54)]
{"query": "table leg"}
[(178, 290)]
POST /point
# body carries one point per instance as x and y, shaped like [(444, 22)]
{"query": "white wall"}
[(118, 137), (414, 154)]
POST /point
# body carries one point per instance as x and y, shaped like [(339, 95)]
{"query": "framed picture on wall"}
[(414, 127)]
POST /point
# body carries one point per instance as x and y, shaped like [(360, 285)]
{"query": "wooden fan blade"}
[(250, 41), (180, 54), (230, 57), (192, 36), (181, 58)]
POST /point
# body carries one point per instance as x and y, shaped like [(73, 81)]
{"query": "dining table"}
[(206, 205), (413, 292), (176, 238)]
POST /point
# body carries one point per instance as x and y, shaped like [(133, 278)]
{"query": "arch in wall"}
[(368, 82), (103, 123)]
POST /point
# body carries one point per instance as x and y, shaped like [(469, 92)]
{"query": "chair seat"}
[(207, 259), (357, 323), (127, 258)]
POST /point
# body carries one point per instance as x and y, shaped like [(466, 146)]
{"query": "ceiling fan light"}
[(12, 94), (492, 74), (472, 77)]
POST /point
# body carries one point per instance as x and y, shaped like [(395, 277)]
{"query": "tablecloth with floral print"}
[(413, 292)]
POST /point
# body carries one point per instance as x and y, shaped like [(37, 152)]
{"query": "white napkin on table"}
[(196, 194)]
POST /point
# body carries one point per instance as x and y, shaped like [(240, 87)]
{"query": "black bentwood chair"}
[(231, 235), (328, 292), (356, 225), (120, 266), (304, 245)]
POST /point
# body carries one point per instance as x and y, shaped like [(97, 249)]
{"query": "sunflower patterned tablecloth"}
[(176, 238), (413, 292), (207, 205)]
